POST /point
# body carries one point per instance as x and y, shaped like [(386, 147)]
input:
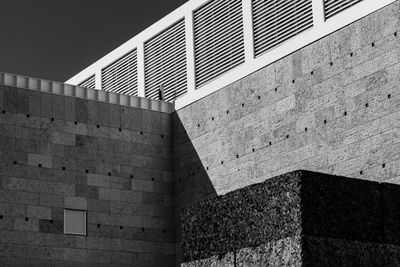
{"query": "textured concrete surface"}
[(114, 161), (300, 218)]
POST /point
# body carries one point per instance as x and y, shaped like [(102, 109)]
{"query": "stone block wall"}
[(300, 218), (114, 161), (332, 106)]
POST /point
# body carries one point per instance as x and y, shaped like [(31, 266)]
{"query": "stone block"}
[(69, 107), (51, 226), (22, 101), (104, 114), (85, 191), (77, 203), (34, 103), (81, 110), (10, 99), (46, 105), (43, 160), (115, 116), (38, 212), (26, 224), (58, 107)]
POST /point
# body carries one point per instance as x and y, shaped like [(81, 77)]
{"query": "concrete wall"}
[(116, 160), (330, 107)]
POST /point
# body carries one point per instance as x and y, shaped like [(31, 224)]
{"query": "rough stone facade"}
[(112, 160), (300, 218)]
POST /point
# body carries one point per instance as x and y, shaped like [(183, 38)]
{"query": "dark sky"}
[(55, 39)]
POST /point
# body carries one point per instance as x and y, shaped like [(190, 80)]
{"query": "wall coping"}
[(59, 88)]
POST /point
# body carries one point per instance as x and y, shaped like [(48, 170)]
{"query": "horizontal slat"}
[(334, 7), (165, 63), (121, 75), (218, 39), (276, 21), (89, 82)]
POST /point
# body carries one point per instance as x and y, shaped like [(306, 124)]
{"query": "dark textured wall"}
[(113, 160), (300, 218)]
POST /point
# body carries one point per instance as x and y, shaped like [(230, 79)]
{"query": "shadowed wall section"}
[(300, 218), (115, 159)]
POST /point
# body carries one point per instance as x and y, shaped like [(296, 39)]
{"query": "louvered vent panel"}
[(121, 76), (276, 21), (89, 83), (218, 39), (165, 63), (332, 7)]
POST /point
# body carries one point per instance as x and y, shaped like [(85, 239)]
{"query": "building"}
[(253, 89)]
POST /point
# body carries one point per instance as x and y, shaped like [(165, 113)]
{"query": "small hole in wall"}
[(3, 111), (131, 176), (395, 34), (366, 105), (15, 162), (207, 168), (253, 149), (28, 115), (222, 162), (293, 81), (312, 72), (162, 136), (389, 96), (98, 225), (87, 171), (331, 64), (52, 119), (63, 168), (179, 179), (383, 165), (242, 104), (227, 112), (109, 174), (164, 231), (152, 178), (76, 123), (142, 229), (259, 97), (237, 156), (51, 221), (325, 121), (26, 219), (121, 227), (373, 44), (40, 165), (287, 136), (305, 129), (351, 54), (120, 129), (198, 125), (361, 172), (276, 89), (98, 126), (270, 143), (141, 133), (212, 118), (193, 174), (1, 217), (345, 113)]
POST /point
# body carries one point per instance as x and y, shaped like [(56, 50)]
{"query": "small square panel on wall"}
[(74, 222)]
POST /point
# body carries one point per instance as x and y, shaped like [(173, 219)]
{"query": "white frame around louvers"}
[(321, 28)]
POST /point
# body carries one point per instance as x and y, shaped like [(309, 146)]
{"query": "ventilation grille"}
[(89, 82), (165, 63), (218, 39), (332, 7), (276, 21), (121, 76)]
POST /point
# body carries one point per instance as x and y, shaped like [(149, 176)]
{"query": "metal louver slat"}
[(276, 21), (121, 76), (165, 63), (218, 39), (332, 7), (89, 82)]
